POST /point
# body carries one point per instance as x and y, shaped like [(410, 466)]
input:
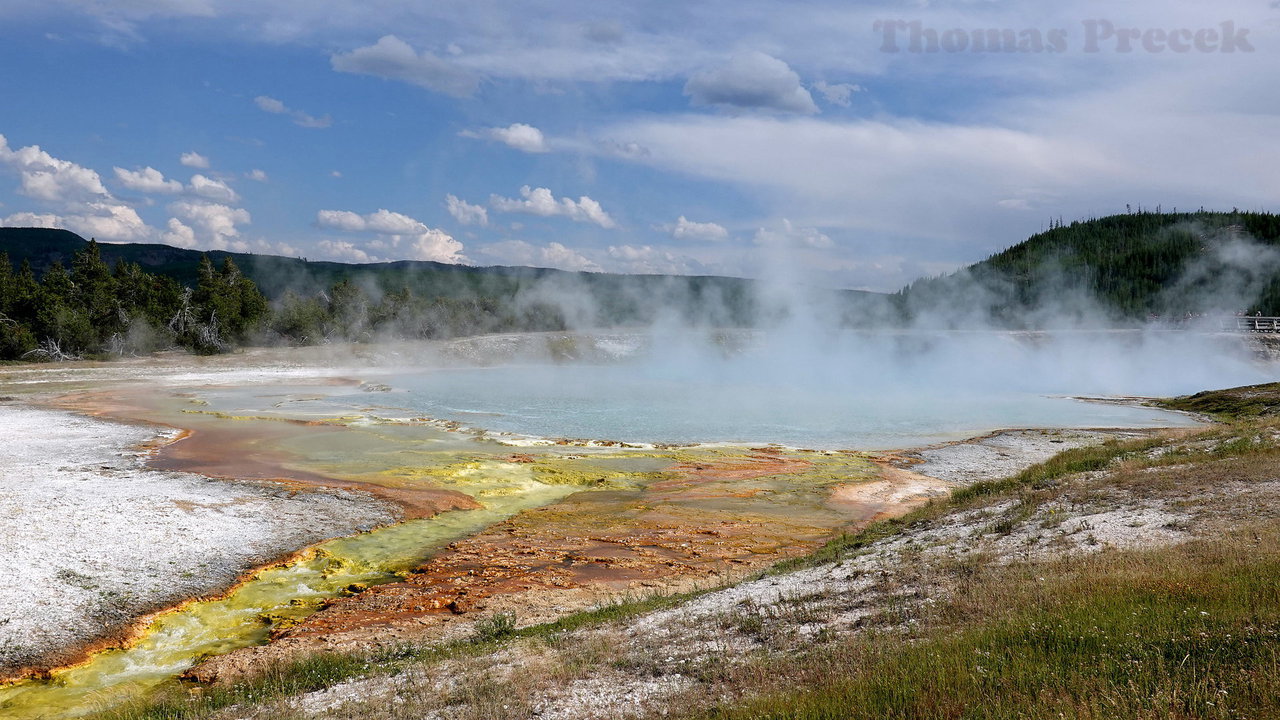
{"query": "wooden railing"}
[(1252, 323)]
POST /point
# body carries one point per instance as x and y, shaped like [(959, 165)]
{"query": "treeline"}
[(1133, 267), (92, 309), (346, 312), (1127, 268)]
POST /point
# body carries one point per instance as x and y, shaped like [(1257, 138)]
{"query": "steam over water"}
[(843, 390)]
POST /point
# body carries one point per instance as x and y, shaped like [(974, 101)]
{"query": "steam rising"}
[(783, 361)]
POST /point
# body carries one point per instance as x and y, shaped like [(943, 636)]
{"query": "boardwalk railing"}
[(1252, 324)]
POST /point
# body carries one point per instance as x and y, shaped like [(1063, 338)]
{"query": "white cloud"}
[(341, 220), (277, 107), (435, 245), (212, 189), (466, 213), (81, 202), (552, 255), (788, 234), (383, 222), (836, 93), (147, 180), (214, 226), (51, 179), (751, 81), (409, 238), (335, 173), (194, 159), (386, 222), (257, 175), (525, 138), (540, 201), (685, 229), (109, 221), (647, 259), (30, 219), (344, 251), (179, 234), (270, 104), (394, 59)]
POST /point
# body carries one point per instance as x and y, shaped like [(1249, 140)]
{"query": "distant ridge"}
[(1131, 267), (619, 299)]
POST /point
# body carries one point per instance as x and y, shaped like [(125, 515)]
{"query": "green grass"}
[(1184, 632), (1252, 401), (314, 672)]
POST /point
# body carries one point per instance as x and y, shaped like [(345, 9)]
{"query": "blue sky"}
[(738, 138)]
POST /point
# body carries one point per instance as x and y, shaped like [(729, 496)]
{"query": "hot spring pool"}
[(607, 403), (861, 391)]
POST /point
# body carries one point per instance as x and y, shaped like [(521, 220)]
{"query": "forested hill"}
[(61, 295), (1130, 267), (612, 299)]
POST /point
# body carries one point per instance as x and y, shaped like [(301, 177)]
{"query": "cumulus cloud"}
[(435, 245), (80, 201), (466, 213), (836, 93), (109, 222), (30, 219), (179, 234), (751, 81), (647, 259), (394, 59), (341, 220), (212, 189), (526, 138), (344, 251), (788, 234), (552, 255), (212, 226), (406, 237), (148, 180), (256, 175), (383, 222), (540, 201), (685, 229), (300, 118), (51, 179), (194, 159)]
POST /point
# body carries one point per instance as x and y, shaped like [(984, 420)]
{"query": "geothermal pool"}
[(821, 392), (611, 403), (862, 391)]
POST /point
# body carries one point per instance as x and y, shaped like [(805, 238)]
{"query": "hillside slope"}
[(1123, 267), (615, 299)]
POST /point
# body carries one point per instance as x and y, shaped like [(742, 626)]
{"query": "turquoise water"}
[(837, 390), (817, 390), (607, 403)]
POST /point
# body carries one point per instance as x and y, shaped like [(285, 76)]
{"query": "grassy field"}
[(1190, 631)]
